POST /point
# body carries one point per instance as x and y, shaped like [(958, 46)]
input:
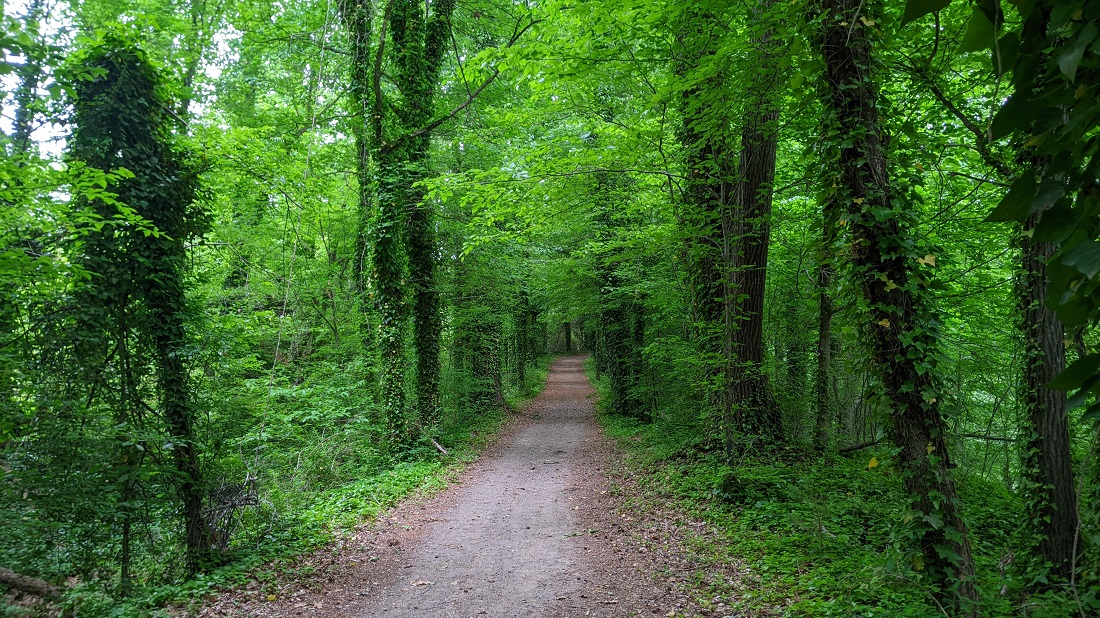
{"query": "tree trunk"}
[(903, 337), (386, 262), (824, 352), (31, 585), (166, 303), (357, 18), (523, 338), (618, 309), (755, 410), (707, 191), (419, 41), (1052, 508)]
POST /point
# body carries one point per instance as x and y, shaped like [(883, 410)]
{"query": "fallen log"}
[(32, 585)]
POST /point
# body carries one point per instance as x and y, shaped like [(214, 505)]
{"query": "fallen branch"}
[(32, 585), (981, 437), (856, 447), (438, 446)]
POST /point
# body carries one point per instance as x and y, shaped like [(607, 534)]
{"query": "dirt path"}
[(533, 529)]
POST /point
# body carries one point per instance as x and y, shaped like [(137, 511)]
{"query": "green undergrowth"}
[(807, 534), (273, 554)]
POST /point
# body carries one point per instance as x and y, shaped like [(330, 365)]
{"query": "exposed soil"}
[(537, 527)]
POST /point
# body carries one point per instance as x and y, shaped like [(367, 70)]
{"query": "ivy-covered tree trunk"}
[(387, 262), (166, 304), (121, 122), (707, 193), (903, 335), (616, 315), (358, 19), (419, 42), (481, 342), (1052, 503), (521, 319)]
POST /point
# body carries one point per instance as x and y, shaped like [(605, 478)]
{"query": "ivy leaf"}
[(979, 33), (915, 9), (934, 520)]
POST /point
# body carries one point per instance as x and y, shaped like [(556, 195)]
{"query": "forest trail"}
[(534, 528)]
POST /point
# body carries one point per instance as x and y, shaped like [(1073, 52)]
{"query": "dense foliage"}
[(265, 265)]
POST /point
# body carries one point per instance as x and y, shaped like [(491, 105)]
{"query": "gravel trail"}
[(539, 526)]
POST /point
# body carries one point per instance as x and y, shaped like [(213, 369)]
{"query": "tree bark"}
[(1048, 465), (902, 335)]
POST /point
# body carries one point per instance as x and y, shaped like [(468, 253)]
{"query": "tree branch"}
[(431, 126), (981, 141)]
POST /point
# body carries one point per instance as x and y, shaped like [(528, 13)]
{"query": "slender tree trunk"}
[(1047, 462), (903, 338), (128, 456), (824, 352), (26, 95), (166, 302), (358, 20)]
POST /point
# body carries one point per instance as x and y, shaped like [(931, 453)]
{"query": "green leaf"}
[(979, 33), (1076, 374), (1093, 412), (1085, 257), (915, 9), (1070, 58), (1016, 205), (1057, 223), (1013, 116)]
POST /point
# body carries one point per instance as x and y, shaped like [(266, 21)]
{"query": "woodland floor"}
[(548, 522)]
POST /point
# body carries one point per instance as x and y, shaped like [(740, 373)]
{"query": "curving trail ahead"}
[(533, 529)]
